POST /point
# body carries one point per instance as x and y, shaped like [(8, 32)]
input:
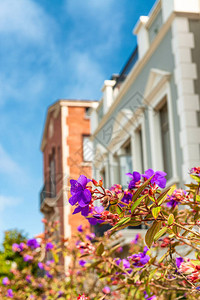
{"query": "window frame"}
[(154, 123), (86, 161)]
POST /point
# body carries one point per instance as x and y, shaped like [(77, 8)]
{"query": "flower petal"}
[(129, 174), (74, 199), (136, 176), (77, 210), (75, 186), (87, 196), (83, 180), (148, 173), (85, 211)]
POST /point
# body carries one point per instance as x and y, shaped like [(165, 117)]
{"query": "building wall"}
[(78, 125), (171, 52), (162, 59), (66, 125), (53, 141)]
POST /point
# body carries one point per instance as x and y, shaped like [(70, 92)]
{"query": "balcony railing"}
[(48, 191)]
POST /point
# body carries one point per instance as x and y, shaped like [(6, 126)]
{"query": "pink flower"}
[(106, 290), (187, 268), (82, 297)]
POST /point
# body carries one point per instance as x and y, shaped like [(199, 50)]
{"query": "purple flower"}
[(33, 244), (136, 239), (28, 278), (176, 197), (5, 281), (49, 275), (83, 210), (159, 177), (135, 178), (90, 236), (126, 198), (82, 262), (60, 294), (147, 297), (49, 262), (96, 218), (79, 193), (15, 248), (140, 259), (10, 293), (126, 263), (22, 246), (49, 246), (28, 258), (40, 266), (80, 228), (179, 261)]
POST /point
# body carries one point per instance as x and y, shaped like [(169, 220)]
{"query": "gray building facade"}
[(149, 114)]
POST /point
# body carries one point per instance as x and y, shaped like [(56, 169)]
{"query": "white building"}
[(149, 114)]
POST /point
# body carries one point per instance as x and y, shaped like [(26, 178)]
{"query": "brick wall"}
[(78, 126)]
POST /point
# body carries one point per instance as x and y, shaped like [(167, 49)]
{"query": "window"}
[(139, 151), (125, 163), (52, 175), (165, 140), (59, 160), (87, 149), (198, 118), (87, 112)]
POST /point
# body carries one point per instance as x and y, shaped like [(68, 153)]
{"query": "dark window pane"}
[(165, 136)]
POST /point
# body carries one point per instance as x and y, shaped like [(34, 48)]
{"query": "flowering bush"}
[(169, 265), (165, 264)]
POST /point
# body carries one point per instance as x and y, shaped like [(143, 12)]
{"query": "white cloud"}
[(7, 201), (24, 19), (87, 76), (8, 166)]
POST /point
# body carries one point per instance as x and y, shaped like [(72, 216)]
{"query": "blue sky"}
[(51, 49)]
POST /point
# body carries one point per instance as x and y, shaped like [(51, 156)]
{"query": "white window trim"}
[(100, 164), (157, 160), (136, 148)]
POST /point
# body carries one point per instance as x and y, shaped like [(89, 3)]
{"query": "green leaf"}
[(133, 223), (112, 209), (119, 210), (198, 198), (151, 198), (137, 203), (100, 249), (196, 178), (170, 220), (151, 232), (163, 257), (94, 264), (160, 233), (163, 196), (156, 211), (122, 221), (55, 256), (120, 196), (152, 273), (140, 189)]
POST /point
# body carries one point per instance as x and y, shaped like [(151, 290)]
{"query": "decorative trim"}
[(159, 92), (185, 73), (136, 70)]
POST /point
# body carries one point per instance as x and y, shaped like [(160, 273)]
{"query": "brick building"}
[(67, 153)]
